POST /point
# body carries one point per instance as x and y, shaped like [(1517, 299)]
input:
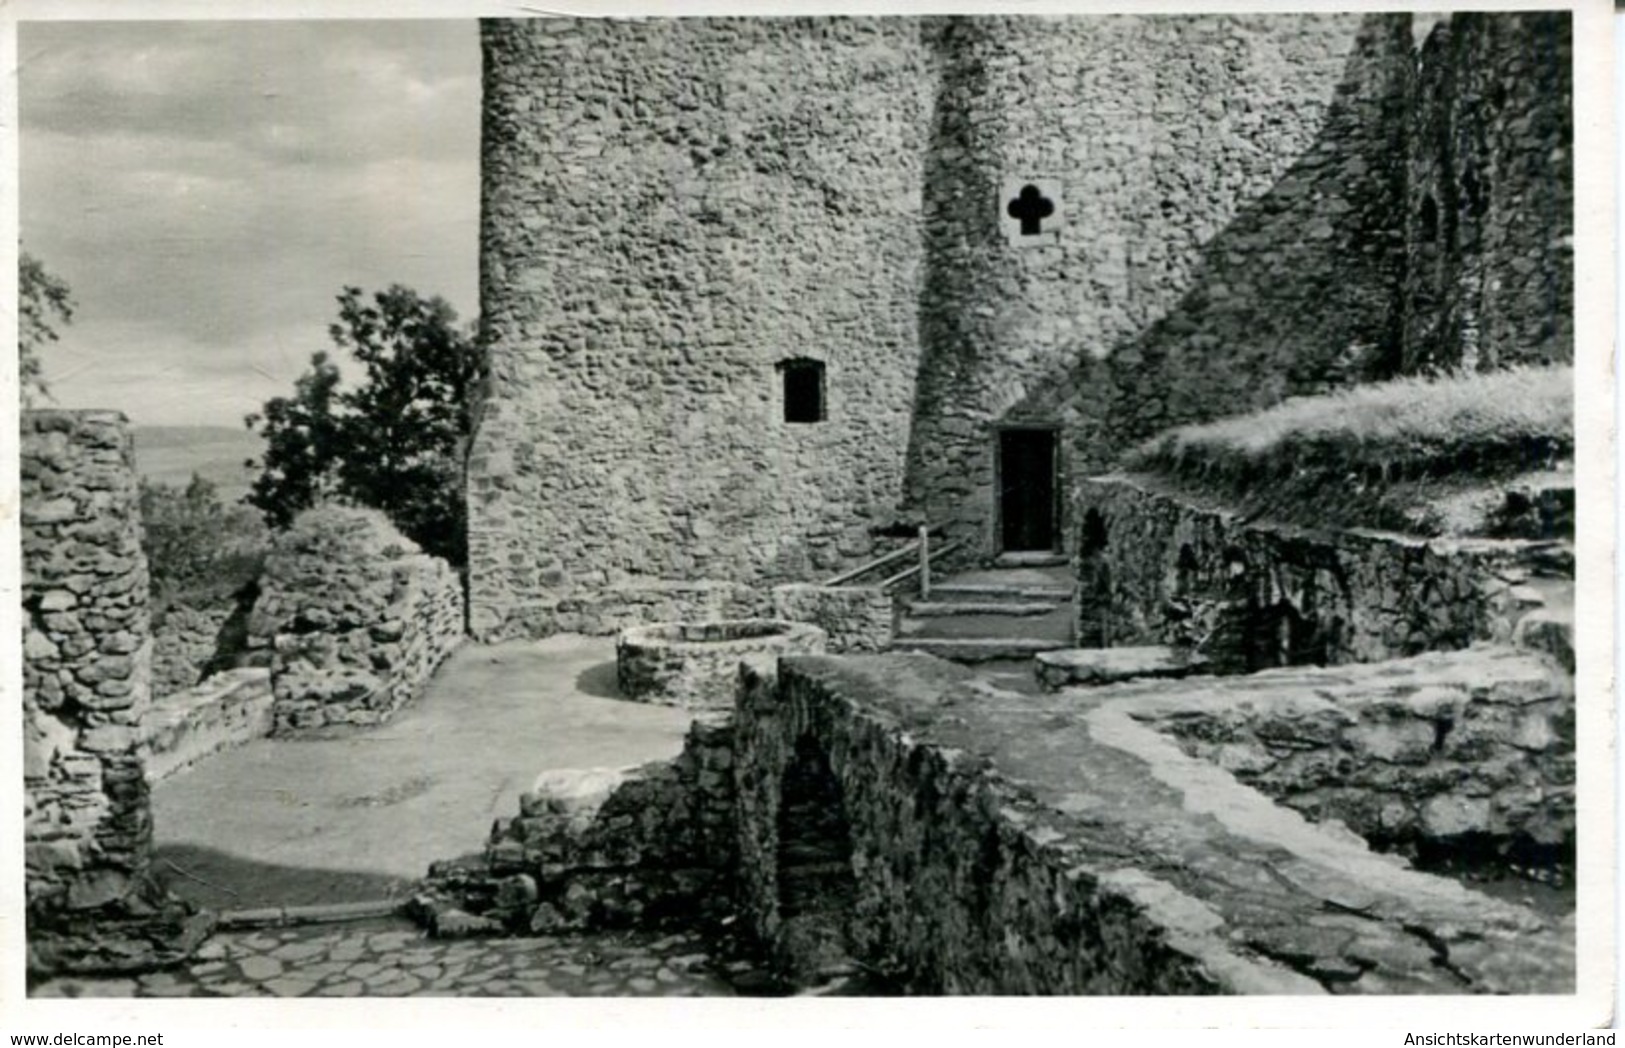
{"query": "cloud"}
[(206, 189)]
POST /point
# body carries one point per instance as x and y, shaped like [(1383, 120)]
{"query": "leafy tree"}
[(198, 549), (396, 441), (43, 301)]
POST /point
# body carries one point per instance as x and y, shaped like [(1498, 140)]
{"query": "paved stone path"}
[(393, 959)]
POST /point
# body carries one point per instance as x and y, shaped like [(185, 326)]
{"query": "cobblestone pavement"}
[(397, 960)]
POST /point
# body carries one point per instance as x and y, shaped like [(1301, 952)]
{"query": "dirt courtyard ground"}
[(314, 821)]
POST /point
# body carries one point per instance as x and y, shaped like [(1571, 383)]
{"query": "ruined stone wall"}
[(1472, 752), (360, 619), (899, 816), (185, 643), (1156, 567), (983, 914), (86, 667), (603, 848), (671, 208), (1221, 181), (86, 686), (1089, 858), (1489, 207), (855, 618)]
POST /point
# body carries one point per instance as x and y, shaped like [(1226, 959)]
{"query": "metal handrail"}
[(923, 568), (896, 554), (919, 545)]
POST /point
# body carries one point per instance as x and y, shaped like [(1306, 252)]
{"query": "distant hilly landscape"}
[(171, 454)]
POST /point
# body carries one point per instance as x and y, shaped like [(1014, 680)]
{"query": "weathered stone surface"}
[(600, 847), (980, 818), (226, 710), (1059, 669), (1474, 746), (696, 665), (1489, 195), (856, 619), (898, 815), (86, 687), (1159, 566), (358, 620)]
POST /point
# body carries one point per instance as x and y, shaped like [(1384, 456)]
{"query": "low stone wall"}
[(360, 617), (86, 687), (226, 710), (602, 848), (1156, 567), (614, 607), (856, 619), (696, 665), (1472, 749), (185, 642)]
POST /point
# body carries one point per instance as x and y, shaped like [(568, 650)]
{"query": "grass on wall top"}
[(1371, 454)]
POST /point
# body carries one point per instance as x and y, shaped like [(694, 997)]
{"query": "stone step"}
[(1055, 624), (990, 592), (1092, 666), (1549, 630), (977, 649), (928, 608), (1030, 560)]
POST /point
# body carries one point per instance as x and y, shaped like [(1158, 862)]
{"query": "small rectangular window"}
[(803, 390)]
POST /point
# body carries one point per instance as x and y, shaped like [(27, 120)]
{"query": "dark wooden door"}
[(1027, 489)]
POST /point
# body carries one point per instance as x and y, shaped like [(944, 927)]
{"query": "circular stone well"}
[(696, 665)]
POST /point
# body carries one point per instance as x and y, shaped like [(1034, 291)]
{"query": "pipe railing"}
[(921, 569), (920, 549)]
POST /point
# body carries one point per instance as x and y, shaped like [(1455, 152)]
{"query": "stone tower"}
[(757, 288)]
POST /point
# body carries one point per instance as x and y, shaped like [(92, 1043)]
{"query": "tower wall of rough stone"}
[(86, 664), (1229, 230), (671, 209), (1490, 199)]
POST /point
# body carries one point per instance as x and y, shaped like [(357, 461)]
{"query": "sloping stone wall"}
[(87, 655), (1229, 197), (360, 619), (1158, 567)]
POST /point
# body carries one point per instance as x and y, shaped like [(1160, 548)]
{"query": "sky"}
[(208, 188)]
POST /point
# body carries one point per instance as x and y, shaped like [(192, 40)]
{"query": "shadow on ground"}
[(218, 880), (599, 681)]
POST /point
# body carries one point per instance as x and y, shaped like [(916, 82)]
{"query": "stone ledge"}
[(226, 710), (1090, 666), (314, 913)]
